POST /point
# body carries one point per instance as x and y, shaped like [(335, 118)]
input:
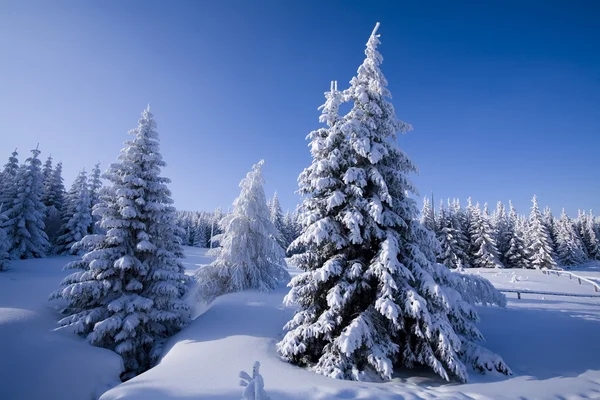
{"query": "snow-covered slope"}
[(551, 343), (37, 361)]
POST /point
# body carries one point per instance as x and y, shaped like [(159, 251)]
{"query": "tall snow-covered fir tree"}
[(540, 245), (95, 187), (569, 247), (516, 255), (371, 296), (249, 256), (484, 252), (127, 293), (76, 216), (25, 216)]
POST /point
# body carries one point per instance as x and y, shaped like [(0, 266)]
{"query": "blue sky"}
[(504, 96)]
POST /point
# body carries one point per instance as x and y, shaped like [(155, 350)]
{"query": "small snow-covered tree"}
[(249, 256), (500, 227), (516, 256), (47, 170), (25, 217), (127, 293), (427, 216), (291, 231), (587, 232), (459, 219), (76, 216), (276, 216), (7, 184), (569, 246), (371, 296), (484, 252), (95, 188), (540, 247), (53, 199), (549, 222), (452, 254)]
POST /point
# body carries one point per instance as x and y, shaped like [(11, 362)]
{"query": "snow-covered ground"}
[(37, 361), (550, 342)]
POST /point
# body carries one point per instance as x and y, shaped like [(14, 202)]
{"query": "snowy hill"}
[(550, 342)]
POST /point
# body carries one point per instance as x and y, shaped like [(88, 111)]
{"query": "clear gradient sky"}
[(504, 96)]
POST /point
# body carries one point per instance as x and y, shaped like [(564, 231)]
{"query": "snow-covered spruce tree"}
[(468, 215), (249, 256), (484, 253), (427, 216), (7, 187), (569, 245), (371, 296), (540, 247), (292, 231), (76, 216), (276, 216), (587, 232), (47, 170), (451, 254), (53, 199), (549, 222), (516, 256), (127, 294), (95, 187), (459, 221), (500, 227), (25, 216)]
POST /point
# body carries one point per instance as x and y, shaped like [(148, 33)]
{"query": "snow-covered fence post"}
[(254, 386)]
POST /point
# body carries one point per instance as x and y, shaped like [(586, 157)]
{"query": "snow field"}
[(549, 342)]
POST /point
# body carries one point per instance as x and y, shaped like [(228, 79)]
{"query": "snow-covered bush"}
[(249, 256), (254, 386)]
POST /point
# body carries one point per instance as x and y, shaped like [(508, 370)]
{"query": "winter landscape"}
[(359, 286)]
